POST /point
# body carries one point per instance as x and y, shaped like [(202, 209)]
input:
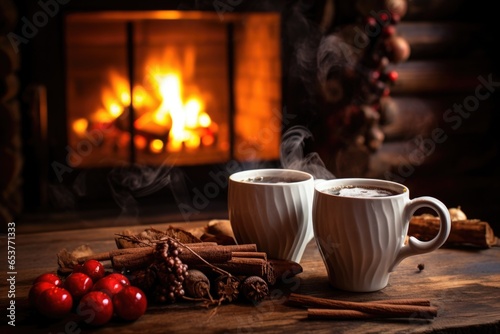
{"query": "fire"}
[(156, 146), (80, 126), (167, 117)]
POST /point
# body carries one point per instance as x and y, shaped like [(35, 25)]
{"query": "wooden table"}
[(463, 283)]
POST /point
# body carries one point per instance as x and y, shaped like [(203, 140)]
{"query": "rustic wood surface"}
[(463, 283)]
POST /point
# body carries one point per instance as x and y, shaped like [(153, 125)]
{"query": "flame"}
[(184, 115), (80, 126), (140, 142), (163, 107), (156, 145), (120, 87)]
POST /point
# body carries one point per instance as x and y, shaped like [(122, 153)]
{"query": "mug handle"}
[(415, 246)]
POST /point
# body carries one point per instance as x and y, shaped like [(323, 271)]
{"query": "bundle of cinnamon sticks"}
[(324, 308), (239, 260)]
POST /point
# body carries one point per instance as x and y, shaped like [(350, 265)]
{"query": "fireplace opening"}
[(137, 108), (171, 87)]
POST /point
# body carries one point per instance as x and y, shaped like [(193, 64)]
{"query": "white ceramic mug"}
[(277, 217), (362, 239)]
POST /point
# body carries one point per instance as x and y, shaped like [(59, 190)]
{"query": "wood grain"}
[(464, 285), (440, 39), (439, 76)]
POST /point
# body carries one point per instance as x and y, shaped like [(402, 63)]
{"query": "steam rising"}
[(333, 56), (292, 154)]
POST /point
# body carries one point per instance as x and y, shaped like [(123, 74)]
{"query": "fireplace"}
[(173, 97), (170, 87)]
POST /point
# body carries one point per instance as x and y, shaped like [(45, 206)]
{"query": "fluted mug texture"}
[(276, 216), (362, 239)]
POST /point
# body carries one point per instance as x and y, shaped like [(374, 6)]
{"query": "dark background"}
[(453, 43)]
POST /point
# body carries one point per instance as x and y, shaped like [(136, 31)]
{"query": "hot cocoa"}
[(360, 191), (271, 179)]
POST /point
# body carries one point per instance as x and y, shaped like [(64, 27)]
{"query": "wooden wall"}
[(440, 122), (447, 86), (11, 159)]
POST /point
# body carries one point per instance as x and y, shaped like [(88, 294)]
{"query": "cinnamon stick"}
[(403, 308), (261, 265), (201, 244), (238, 248), (218, 254), (408, 301), (321, 313), (255, 255), (469, 232), (242, 267), (106, 256), (318, 302), (132, 261), (209, 252)]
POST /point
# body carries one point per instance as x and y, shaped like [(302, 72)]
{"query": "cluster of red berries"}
[(90, 292)]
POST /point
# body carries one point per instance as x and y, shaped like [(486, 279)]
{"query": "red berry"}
[(48, 277), (390, 30), (370, 20), (130, 303), (37, 289), (384, 17), (78, 284), (392, 75), (108, 285), (120, 277), (55, 302), (96, 308), (94, 269)]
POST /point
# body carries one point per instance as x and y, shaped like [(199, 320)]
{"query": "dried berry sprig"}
[(170, 271)]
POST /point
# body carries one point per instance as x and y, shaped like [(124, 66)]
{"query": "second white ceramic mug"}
[(276, 216), (362, 239)]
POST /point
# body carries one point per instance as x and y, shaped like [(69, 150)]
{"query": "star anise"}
[(254, 288), (227, 287)]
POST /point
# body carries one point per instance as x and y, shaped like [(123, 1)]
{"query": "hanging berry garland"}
[(354, 86)]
